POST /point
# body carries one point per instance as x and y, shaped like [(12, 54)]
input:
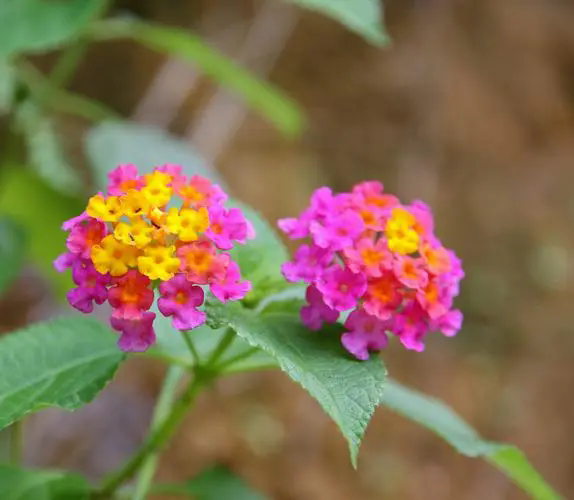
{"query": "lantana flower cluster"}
[(158, 234), (371, 255)]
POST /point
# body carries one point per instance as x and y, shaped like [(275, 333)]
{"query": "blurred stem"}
[(62, 100), (191, 347), (157, 439), (161, 411), (16, 443), (224, 343), (67, 63)]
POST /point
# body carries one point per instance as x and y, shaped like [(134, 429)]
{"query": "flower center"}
[(181, 297)]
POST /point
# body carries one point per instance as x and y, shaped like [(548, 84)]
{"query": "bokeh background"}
[(471, 108)]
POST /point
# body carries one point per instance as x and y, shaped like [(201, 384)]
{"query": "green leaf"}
[(8, 82), (12, 243), (362, 16), (44, 150), (214, 483), (111, 144), (27, 484), (281, 110), (63, 362), (170, 344), (40, 25), (437, 417), (288, 300), (347, 389)]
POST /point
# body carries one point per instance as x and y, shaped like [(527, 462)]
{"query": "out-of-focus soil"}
[(470, 108)]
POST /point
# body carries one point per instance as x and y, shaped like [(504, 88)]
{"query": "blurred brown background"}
[(472, 109)]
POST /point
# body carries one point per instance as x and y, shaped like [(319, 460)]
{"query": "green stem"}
[(224, 343), (16, 443), (239, 357), (59, 99), (155, 441), (191, 347), (161, 411), (67, 63)]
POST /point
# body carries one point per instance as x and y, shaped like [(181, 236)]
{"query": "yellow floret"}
[(187, 223), (157, 216), (105, 209), (158, 262), (137, 233), (156, 191), (172, 221), (401, 237), (114, 257), (404, 242), (134, 204)]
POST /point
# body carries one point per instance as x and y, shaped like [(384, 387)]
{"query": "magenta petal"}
[(167, 306), (137, 335), (356, 345), (70, 223), (64, 261), (136, 343), (188, 319), (80, 299)]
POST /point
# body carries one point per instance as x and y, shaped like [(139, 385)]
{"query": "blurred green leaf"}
[(8, 82), (439, 418), (281, 110), (214, 483), (63, 362), (12, 244), (347, 389), (362, 16), (44, 151), (111, 144), (28, 484), (40, 210), (40, 25)]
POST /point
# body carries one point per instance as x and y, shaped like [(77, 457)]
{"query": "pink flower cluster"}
[(371, 255), (128, 243)]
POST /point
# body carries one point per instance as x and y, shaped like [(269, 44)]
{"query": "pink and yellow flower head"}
[(378, 259), (128, 241)]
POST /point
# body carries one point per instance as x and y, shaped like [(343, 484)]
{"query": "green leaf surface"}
[(214, 483), (347, 389), (111, 144), (440, 419), (41, 25), (12, 244), (63, 362), (362, 16), (39, 210), (263, 97), (44, 150), (28, 484)]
